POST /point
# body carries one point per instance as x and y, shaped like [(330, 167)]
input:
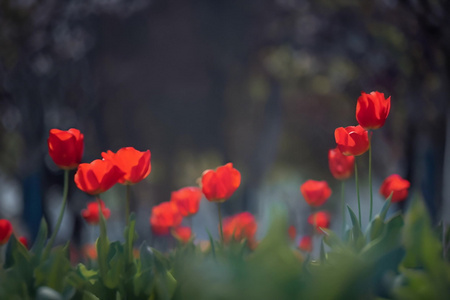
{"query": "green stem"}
[(370, 177), (127, 206), (61, 214), (357, 193), (220, 222), (343, 206)]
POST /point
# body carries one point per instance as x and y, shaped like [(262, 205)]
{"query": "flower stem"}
[(220, 222), (343, 206), (357, 193), (370, 177), (127, 205), (61, 214)]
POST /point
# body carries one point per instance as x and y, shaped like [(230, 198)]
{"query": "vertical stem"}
[(343, 206), (220, 222), (357, 193), (61, 214), (1, 259), (444, 244), (370, 176), (127, 206)]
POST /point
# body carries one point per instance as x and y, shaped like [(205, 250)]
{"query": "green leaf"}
[(130, 237), (211, 241), (103, 249), (89, 296), (16, 254), (41, 238), (385, 207), (52, 272), (357, 235)]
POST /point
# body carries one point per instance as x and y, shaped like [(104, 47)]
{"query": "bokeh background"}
[(260, 83)]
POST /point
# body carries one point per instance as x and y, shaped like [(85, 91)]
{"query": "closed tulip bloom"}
[(372, 110), (315, 192), (187, 199), (92, 213), (182, 233), (135, 164), (320, 219), (341, 166), (305, 244), (240, 226), (23, 240), (292, 232), (66, 147), (164, 217), (396, 185), (352, 140), (97, 177), (5, 231), (218, 185)]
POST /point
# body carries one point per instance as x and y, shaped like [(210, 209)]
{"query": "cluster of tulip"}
[(372, 111)]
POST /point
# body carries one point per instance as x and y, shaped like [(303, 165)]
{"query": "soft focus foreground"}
[(391, 256)]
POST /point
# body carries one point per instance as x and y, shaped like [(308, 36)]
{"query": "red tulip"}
[(315, 192), (341, 166), (218, 185), (97, 177), (397, 186), (165, 216), (372, 110), (5, 231), (352, 140), (305, 244), (66, 147), (320, 219), (92, 213), (23, 240), (187, 199), (183, 234), (135, 164), (240, 226), (292, 232)]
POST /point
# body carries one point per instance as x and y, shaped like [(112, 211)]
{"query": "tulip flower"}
[(187, 199), (240, 226), (320, 219), (218, 185), (66, 147), (6, 230), (352, 140), (397, 186), (92, 213), (182, 233), (341, 166), (165, 216), (372, 110), (315, 192), (305, 244), (97, 177), (23, 240), (292, 232), (135, 164)]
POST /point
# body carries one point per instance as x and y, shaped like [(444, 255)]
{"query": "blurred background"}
[(260, 83)]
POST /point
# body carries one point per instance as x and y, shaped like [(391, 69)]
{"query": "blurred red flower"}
[(218, 185), (5, 231), (165, 216), (372, 110), (305, 243), (397, 185), (341, 166), (66, 147), (182, 233), (292, 232), (135, 164), (97, 177), (23, 240), (320, 219), (187, 199), (240, 226), (315, 192), (352, 140), (92, 213)]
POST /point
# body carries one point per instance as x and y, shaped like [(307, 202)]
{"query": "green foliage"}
[(393, 258)]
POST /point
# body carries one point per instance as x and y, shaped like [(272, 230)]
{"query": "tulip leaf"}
[(53, 271), (357, 235), (89, 296), (102, 248), (130, 237), (41, 238), (385, 208)]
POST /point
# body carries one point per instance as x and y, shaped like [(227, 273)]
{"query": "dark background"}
[(260, 83)]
